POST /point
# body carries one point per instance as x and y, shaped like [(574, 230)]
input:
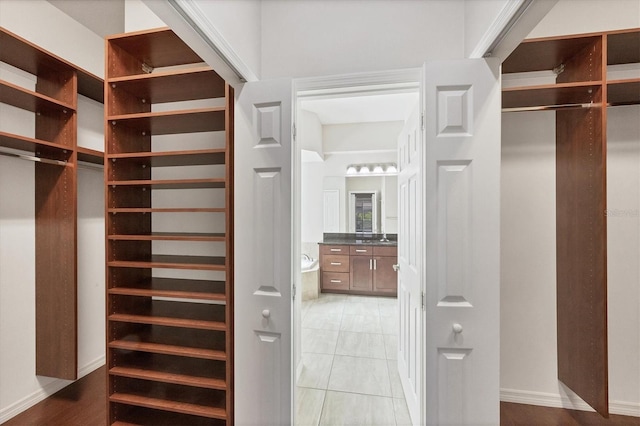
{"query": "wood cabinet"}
[(53, 101), (169, 208), (359, 269), (583, 88)]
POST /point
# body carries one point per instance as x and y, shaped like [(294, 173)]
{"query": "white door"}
[(263, 269), (410, 259), (462, 190)]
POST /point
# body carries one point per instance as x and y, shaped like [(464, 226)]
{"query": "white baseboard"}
[(46, 391), (565, 401)]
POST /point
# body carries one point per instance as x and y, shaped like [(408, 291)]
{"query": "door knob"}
[(266, 314), (457, 328), (396, 267)]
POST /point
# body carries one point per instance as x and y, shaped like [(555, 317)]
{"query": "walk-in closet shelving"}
[(580, 94), (54, 149), (169, 208)]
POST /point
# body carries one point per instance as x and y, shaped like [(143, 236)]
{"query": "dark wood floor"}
[(83, 404)]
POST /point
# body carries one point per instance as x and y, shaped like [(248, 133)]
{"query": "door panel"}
[(385, 279), (462, 178), (263, 276), (361, 273), (410, 261)]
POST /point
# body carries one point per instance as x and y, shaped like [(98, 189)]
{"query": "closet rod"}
[(90, 166), (551, 107), (32, 158)]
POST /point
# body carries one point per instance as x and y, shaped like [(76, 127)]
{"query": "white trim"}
[(46, 391), (496, 28), (203, 26), (565, 401), (362, 151)]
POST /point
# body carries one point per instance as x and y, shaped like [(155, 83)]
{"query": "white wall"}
[(479, 15), (46, 26), (20, 388), (313, 38), (361, 136), (138, 17), (528, 306)]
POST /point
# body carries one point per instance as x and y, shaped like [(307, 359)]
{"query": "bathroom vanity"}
[(353, 265)]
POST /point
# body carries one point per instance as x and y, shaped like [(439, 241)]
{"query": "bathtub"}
[(310, 278)]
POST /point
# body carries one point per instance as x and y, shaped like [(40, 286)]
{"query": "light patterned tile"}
[(316, 369), (388, 309), (361, 308), (361, 323), (390, 325), (361, 344), (309, 404), (360, 375), (353, 409), (362, 299), (402, 412), (322, 320), (394, 378), (391, 346), (319, 341)]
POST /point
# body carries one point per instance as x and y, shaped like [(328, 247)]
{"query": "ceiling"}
[(102, 17), (362, 108)]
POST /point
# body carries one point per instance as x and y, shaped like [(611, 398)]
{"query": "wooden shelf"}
[(171, 184), (174, 287), (31, 101), (557, 94), (174, 406), (178, 379), (156, 48), (172, 86), (167, 210), (53, 150), (175, 158), (164, 375), (173, 122), (545, 54), (623, 47), (90, 156), (159, 348), (206, 263), (624, 92)]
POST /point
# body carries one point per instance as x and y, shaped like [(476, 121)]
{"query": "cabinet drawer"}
[(335, 263), (385, 251), (334, 249), (361, 250), (335, 280)]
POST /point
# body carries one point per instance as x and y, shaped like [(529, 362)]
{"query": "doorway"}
[(342, 126)]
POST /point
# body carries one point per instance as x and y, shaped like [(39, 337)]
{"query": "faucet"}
[(306, 257)]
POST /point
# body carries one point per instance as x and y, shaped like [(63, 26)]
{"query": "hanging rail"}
[(552, 107), (33, 158)]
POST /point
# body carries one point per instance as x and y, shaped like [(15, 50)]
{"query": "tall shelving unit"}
[(581, 94), (55, 151), (169, 236)]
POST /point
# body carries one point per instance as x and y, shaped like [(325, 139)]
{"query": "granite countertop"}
[(355, 239)]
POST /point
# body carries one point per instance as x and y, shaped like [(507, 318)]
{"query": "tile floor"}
[(349, 374)]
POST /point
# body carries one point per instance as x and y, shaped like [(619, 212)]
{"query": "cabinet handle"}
[(361, 250), (370, 264), (336, 249), (375, 263), (336, 263), (336, 281)]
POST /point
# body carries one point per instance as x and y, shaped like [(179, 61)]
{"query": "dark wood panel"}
[(19, 97), (90, 155), (360, 250), (335, 281), (581, 254), (361, 273), (385, 278), (39, 147), (585, 65), (172, 287), (206, 263), (335, 263), (624, 92), (171, 184), (529, 415), (174, 158), (334, 249), (545, 53), (157, 48), (623, 47), (173, 122), (561, 94), (56, 265), (172, 86)]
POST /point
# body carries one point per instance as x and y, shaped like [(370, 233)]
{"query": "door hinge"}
[(422, 120), (293, 131), (293, 293), (424, 300)]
